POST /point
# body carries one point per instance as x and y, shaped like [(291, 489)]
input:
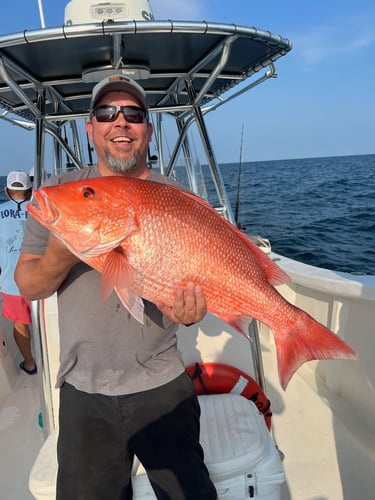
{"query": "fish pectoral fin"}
[(116, 272), (132, 302)]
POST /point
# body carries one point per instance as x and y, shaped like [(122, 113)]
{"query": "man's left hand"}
[(189, 305)]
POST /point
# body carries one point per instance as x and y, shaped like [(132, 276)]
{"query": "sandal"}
[(29, 372)]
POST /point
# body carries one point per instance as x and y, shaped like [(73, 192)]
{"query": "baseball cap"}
[(16, 176), (32, 174), (120, 83)]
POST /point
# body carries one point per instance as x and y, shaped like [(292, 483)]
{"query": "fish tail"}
[(307, 340)]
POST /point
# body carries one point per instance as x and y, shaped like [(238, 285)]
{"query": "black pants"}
[(99, 435)]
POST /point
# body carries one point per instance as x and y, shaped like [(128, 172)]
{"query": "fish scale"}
[(148, 239)]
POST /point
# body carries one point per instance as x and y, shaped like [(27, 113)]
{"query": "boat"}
[(320, 444)]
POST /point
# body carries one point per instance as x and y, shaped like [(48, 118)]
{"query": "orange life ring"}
[(217, 378)]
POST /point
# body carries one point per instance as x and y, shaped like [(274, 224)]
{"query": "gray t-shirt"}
[(103, 349)]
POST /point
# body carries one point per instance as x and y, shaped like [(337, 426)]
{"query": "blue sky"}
[(321, 104)]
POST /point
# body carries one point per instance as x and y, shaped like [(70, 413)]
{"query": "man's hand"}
[(189, 305)]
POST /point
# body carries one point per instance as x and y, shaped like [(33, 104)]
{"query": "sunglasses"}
[(133, 114)]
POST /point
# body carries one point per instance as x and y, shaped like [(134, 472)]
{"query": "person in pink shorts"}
[(13, 216)]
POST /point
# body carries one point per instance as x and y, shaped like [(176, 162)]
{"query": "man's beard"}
[(121, 166)]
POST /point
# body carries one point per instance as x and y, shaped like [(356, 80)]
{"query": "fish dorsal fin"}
[(116, 272), (274, 274)]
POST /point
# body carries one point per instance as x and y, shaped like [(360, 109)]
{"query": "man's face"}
[(18, 194), (121, 146)]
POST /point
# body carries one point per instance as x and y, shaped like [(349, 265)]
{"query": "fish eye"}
[(88, 192)]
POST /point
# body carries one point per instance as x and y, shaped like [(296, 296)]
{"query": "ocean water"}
[(320, 211)]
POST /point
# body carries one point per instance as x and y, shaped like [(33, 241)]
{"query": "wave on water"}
[(319, 211)]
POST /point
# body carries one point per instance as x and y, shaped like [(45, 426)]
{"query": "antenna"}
[(41, 14)]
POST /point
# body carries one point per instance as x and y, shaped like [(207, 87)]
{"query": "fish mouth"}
[(45, 211)]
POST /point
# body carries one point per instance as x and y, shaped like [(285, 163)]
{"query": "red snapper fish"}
[(148, 239)]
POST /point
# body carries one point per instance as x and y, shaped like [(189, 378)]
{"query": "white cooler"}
[(239, 453)]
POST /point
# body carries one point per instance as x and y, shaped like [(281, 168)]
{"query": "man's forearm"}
[(39, 276)]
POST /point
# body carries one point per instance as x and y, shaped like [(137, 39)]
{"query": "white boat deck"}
[(20, 437), (323, 460)]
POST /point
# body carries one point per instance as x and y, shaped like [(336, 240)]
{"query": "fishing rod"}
[(237, 203)]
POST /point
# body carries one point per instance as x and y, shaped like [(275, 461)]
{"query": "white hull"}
[(345, 303), (324, 457)]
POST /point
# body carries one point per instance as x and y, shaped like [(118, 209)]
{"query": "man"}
[(12, 223), (124, 389)]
